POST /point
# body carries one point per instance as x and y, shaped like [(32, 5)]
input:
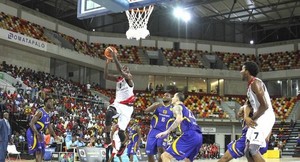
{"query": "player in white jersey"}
[(263, 119), (122, 107), (116, 142)]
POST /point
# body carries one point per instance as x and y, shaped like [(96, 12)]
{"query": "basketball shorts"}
[(186, 146), (264, 126), (124, 113), (236, 148), (33, 144), (153, 142), (132, 148)]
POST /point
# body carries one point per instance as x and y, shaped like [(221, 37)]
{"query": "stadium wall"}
[(20, 57), (113, 40), (273, 49), (9, 9)]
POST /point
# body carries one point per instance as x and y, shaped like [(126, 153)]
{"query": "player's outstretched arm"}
[(108, 76), (153, 107), (126, 75)]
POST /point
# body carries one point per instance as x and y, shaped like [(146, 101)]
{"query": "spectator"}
[(292, 124), (298, 140), (149, 87)]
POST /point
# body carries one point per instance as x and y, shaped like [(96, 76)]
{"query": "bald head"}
[(5, 115)]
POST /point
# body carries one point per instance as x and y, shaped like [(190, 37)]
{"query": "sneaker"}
[(121, 151)]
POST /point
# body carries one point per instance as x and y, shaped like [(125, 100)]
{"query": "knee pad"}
[(253, 149), (111, 111), (122, 136)]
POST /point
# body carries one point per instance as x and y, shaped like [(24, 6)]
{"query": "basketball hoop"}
[(138, 20)]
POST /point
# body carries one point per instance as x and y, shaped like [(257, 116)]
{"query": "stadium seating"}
[(183, 58), (180, 58), (22, 26), (233, 61)]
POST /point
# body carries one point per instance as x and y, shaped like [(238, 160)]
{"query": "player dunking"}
[(161, 120), (123, 104), (263, 119), (188, 144)]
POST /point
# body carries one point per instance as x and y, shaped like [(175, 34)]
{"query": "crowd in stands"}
[(130, 54), (209, 151), (233, 61), (183, 58), (22, 26), (280, 61)]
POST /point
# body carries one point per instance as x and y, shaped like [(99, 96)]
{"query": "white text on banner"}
[(22, 39)]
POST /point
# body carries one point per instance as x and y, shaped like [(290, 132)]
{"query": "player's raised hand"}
[(250, 122)]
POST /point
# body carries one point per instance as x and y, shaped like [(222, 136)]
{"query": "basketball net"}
[(138, 20)]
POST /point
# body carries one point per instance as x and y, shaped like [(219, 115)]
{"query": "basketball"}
[(108, 50)]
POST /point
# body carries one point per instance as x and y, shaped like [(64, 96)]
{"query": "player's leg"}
[(111, 111), (226, 157), (130, 151), (123, 121), (254, 152), (151, 158), (161, 144), (160, 151), (235, 149), (109, 154), (187, 160), (151, 147), (120, 158), (38, 156), (131, 157), (166, 157)]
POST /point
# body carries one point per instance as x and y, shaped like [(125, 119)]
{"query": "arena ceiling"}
[(265, 20)]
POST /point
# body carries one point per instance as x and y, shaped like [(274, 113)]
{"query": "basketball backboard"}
[(92, 8)]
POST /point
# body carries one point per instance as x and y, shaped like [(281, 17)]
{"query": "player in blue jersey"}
[(134, 137), (161, 120), (38, 124), (188, 144), (235, 149)]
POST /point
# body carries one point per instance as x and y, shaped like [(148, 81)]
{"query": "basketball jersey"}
[(43, 122), (253, 98), (132, 133), (162, 118), (189, 121), (244, 128), (124, 93)]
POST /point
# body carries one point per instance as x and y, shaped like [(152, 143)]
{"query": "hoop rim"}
[(141, 10)]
